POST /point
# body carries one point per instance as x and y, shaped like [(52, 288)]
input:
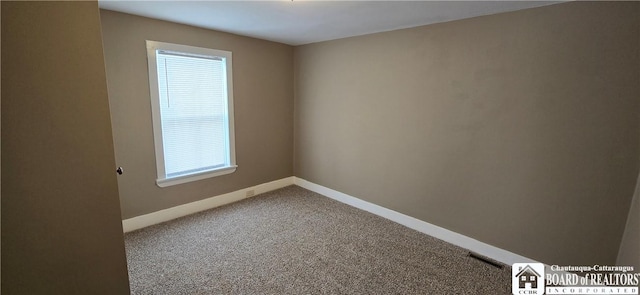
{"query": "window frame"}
[(152, 48)]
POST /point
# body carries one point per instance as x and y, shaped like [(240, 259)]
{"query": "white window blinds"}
[(193, 104)]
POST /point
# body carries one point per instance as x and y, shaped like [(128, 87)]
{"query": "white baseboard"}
[(142, 221), (446, 235)]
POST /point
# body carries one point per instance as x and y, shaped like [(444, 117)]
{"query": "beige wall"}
[(61, 229), (630, 246), (263, 99), (518, 129)]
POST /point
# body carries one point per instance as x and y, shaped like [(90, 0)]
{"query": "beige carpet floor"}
[(293, 241)]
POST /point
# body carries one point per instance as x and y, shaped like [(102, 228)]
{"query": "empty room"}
[(320, 147)]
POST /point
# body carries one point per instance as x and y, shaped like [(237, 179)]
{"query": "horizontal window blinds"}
[(193, 107)]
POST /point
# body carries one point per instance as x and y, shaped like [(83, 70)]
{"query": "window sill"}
[(165, 182)]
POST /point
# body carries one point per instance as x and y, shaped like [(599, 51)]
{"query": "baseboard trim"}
[(446, 235), (157, 217)]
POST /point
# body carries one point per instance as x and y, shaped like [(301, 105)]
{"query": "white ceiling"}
[(302, 21)]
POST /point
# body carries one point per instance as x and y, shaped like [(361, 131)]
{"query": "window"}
[(192, 110)]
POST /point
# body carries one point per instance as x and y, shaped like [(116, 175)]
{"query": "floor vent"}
[(486, 260)]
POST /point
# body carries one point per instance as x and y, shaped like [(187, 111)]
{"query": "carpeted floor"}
[(293, 241)]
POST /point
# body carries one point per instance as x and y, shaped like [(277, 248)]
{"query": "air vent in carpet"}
[(486, 260)]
